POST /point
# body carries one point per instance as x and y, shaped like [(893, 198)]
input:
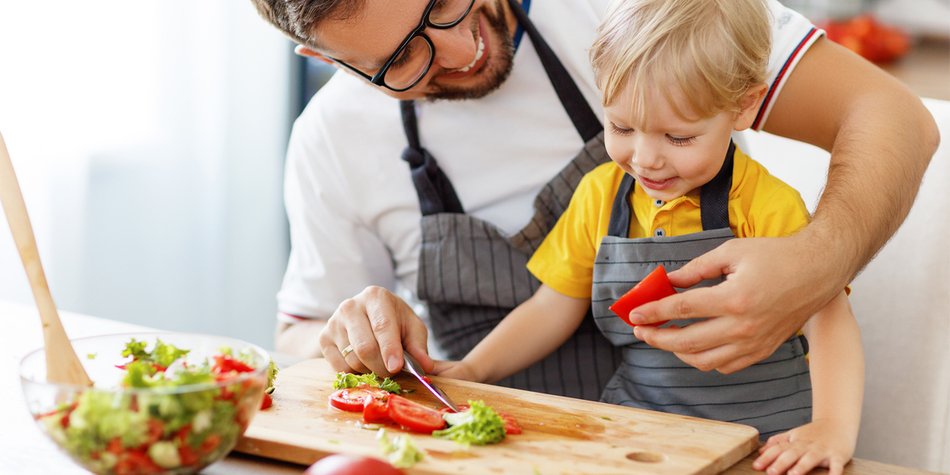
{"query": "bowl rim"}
[(153, 334)]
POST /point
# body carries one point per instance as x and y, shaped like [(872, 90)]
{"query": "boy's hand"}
[(822, 443), (455, 369)]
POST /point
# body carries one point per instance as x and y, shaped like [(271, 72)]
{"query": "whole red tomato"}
[(341, 464)]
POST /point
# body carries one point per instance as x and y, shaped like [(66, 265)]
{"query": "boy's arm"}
[(530, 332), (837, 375), (836, 361)]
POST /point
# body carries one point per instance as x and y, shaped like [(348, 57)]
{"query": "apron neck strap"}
[(714, 196), (434, 189), (713, 200), (576, 106)]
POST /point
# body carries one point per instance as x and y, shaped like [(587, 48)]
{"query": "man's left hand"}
[(772, 286)]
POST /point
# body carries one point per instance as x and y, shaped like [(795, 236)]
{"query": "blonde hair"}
[(711, 51)]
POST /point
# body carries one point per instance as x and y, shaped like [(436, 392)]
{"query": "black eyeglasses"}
[(413, 58)]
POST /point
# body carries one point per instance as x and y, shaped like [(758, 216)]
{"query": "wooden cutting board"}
[(561, 435)]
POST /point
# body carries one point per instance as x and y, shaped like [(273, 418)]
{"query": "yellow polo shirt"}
[(760, 205)]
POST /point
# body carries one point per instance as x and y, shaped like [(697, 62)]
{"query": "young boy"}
[(677, 79)]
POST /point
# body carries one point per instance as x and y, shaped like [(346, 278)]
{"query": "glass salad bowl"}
[(160, 403)]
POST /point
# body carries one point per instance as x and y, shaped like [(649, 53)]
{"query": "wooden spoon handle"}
[(62, 364)]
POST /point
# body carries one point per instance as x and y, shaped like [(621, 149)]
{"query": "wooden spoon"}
[(62, 364)]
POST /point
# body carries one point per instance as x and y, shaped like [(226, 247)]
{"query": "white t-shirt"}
[(354, 214)]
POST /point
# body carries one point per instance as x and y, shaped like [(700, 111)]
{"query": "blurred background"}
[(149, 140)]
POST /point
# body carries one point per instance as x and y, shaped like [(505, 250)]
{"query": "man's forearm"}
[(881, 139), (299, 338)]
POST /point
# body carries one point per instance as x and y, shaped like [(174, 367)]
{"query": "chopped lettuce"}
[(349, 380), (479, 425), (272, 371), (162, 354), (400, 451)]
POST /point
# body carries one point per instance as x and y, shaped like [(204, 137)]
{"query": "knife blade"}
[(413, 367)]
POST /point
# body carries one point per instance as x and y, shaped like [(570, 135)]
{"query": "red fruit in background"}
[(867, 37), (351, 465)]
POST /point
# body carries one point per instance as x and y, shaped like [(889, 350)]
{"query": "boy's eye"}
[(680, 141), (620, 130)]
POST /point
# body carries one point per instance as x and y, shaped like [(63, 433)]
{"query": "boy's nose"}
[(647, 155), (454, 48)]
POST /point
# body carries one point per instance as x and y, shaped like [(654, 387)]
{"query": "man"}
[(501, 115)]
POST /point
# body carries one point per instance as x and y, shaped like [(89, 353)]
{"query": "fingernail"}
[(636, 317), (636, 333), (392, 363)]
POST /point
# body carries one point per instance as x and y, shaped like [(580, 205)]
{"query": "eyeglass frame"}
[(378, 79)]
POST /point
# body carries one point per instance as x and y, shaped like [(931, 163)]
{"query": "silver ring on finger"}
[(346, 351)]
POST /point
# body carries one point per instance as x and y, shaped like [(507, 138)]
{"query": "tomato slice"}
[(414, 416), (267, 401), (511, 424), (226, 364), (376, 410), (353, 399), (655, 286)]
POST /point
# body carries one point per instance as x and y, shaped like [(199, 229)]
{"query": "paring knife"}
[(413, 367)]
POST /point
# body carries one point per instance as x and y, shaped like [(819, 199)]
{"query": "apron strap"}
[(435, 190), (620, 212), (714, 196), (576, 106), (713, 200)]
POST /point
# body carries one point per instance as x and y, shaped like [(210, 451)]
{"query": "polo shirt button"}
[(658, 203), (659, 232)]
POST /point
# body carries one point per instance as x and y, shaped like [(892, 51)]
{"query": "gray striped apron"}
[(472, 274), (773, 395)]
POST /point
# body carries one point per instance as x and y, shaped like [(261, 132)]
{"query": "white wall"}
[(149, 146)]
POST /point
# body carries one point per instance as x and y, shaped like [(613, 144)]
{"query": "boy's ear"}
[(749, 106), (309, 53)]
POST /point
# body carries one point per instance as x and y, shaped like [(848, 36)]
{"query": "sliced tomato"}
[(511, 424), (376, 410), (187, 455), (209, 444), (156, 430), (226, 364), (414, 416), (655, 286), (353, 399), (340, 464), (268, 401)]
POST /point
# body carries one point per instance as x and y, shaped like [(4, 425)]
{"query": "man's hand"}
[(374, 327), (772, 286)]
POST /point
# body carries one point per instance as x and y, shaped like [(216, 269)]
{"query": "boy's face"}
[(470, 59), (668, 155)]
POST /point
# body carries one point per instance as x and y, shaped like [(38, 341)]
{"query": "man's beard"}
[(503, 55)]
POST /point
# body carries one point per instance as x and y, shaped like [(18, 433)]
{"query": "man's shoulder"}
[(344, 99)]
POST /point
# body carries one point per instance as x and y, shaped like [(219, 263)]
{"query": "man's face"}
[(471, 59)]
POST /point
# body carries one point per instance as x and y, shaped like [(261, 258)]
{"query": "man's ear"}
[(309, 53), (749, 106)]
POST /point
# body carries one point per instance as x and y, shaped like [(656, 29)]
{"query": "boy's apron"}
[(773, 395), (471, 274)]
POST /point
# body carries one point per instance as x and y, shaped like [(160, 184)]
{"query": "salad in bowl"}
[(160, 402)]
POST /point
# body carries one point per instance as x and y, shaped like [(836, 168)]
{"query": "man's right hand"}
[(376, 325)]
